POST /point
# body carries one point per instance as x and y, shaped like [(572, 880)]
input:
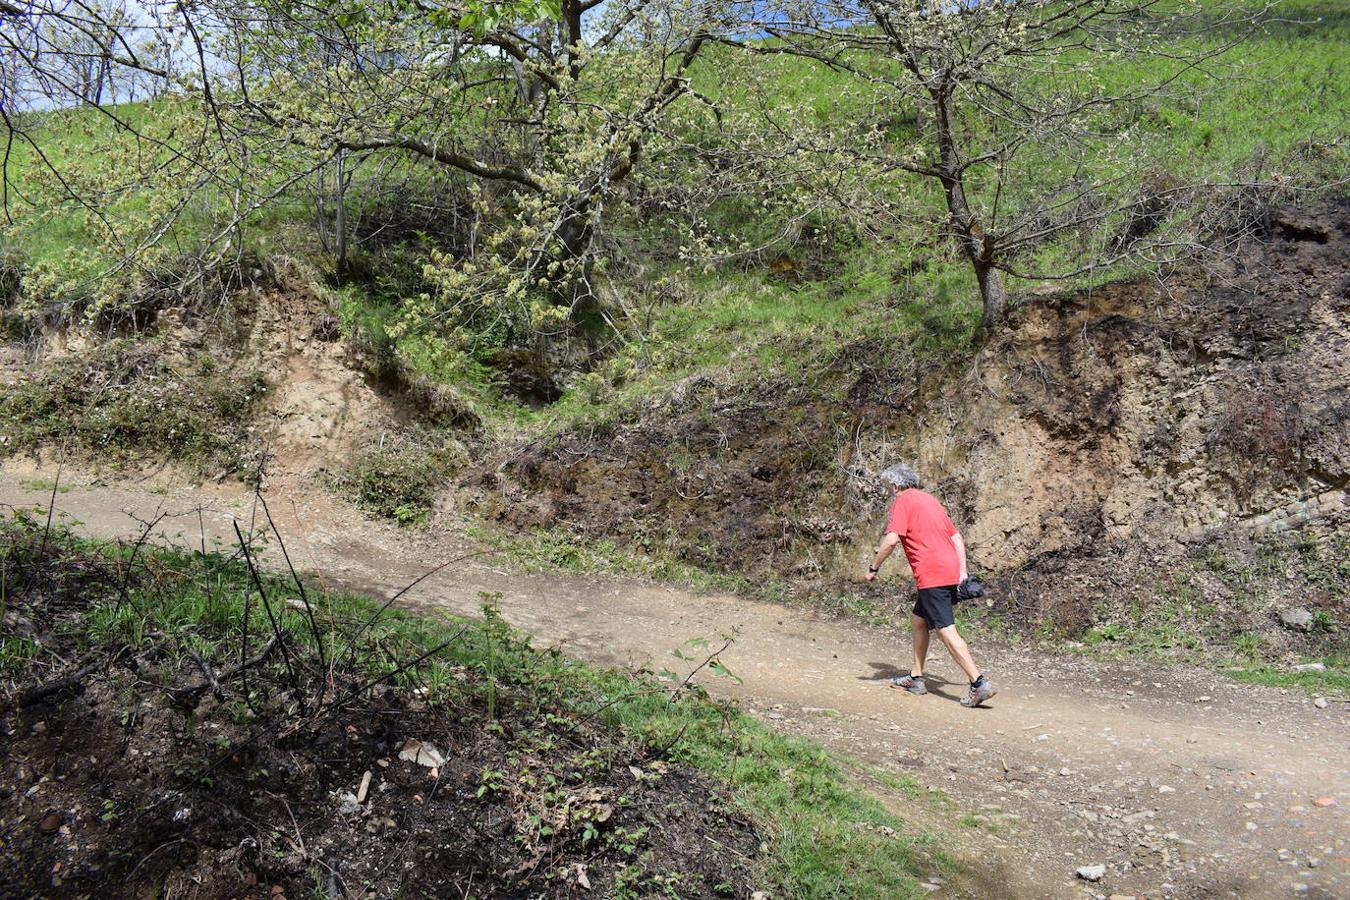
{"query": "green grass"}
[(41, 484), (553, 550), (749, 328), (70, 246), (980, 822), (1282, 94), (1282, 97), (826, 837), (1334, 679), (1277, 103)]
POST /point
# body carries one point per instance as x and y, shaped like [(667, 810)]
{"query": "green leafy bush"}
[(399, 480)]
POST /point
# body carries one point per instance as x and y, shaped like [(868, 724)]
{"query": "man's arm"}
[(887, 545), (961, 554)]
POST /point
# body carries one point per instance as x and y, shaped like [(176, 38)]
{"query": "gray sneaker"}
[(977, 695), (910, 683)]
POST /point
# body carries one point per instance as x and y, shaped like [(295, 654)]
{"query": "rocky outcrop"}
[(1162, 412)]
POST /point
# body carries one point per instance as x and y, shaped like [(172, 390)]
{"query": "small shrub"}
[(399, 481), (11, 277), (1262, 431)]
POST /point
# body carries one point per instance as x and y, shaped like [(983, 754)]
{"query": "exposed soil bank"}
[(1105, 444)]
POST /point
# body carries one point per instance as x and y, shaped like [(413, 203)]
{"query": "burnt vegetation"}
[(179, 722)]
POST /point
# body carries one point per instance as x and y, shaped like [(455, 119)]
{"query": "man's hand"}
[(883, 553), (960, 545)]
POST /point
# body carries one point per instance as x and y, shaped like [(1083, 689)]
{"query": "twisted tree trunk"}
[(977, 245)]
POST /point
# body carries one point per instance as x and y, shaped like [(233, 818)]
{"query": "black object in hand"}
[(969, 589)]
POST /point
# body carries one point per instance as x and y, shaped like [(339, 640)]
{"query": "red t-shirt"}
[(926, 532)]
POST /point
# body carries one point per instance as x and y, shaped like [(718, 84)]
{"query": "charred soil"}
[(151, 763)]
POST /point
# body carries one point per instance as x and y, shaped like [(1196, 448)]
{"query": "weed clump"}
[(1261, 431), (128, 401), (399, 480)]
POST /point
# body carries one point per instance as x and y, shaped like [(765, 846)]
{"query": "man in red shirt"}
[(937, 555)]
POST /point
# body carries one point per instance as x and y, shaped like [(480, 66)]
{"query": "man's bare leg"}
[(920, 629), (956, 646)]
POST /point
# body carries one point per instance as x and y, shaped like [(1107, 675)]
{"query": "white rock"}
[(1297, 618), (1092, 873), (1320, 703), (422, 753)]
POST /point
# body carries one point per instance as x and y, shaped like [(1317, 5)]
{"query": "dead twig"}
[(207, 672), (304, 597), (72, 684), (271, 617), (124, 585), (375, 617), (51, 508), (190, 696)]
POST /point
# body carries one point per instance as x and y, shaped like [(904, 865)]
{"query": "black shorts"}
[(934, 605)]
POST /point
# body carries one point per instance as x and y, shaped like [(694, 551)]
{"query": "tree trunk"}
[(975, 241), (340, 215), (993, 293), (977, 247), (575, 233)]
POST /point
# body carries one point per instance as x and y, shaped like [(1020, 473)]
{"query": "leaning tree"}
[(542, 110)]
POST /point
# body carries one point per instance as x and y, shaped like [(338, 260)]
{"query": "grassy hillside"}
[(1277, 103)]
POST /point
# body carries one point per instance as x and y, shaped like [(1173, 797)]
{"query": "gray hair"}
[(900, 475)]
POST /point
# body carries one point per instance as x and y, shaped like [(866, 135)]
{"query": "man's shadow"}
[(887, 671)]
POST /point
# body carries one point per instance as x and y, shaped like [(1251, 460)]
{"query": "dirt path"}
[(1182, 784)]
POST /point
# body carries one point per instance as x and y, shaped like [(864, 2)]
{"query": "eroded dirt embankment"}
[(1106, 444)]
